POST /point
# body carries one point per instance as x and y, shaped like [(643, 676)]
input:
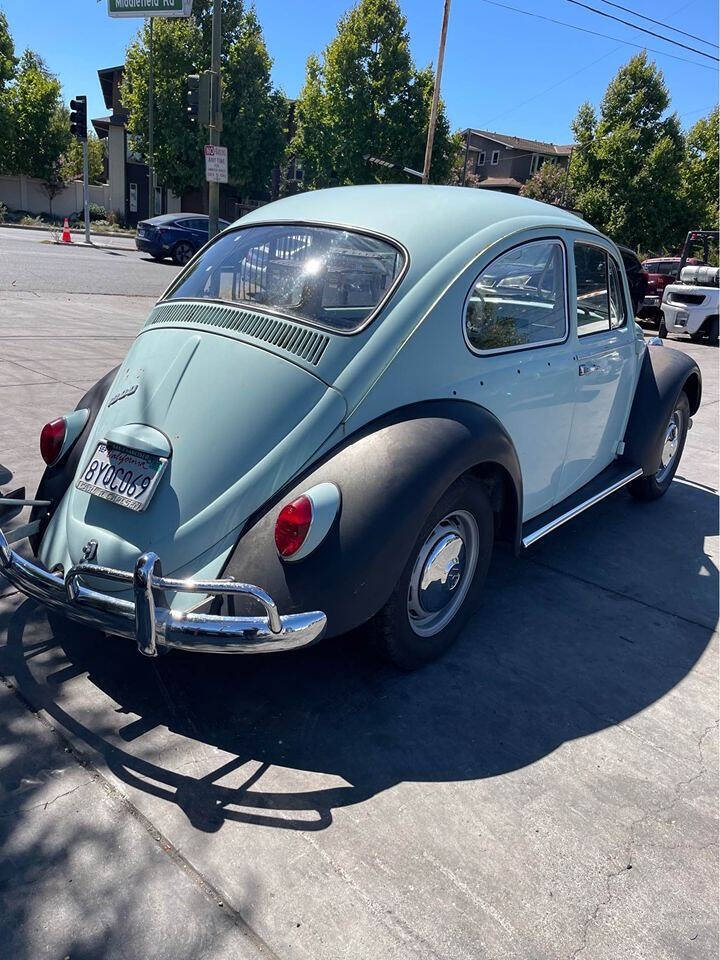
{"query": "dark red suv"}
[(661, 271)]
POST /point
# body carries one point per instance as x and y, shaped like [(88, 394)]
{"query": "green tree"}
[(626, 165), (252, 110), (8, 63), (39, 120), (700, 173), (365, 95), (72, 161), (551, 184)]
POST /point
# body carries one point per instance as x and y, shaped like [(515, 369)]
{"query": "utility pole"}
[(86, 190), (436, 94), (151, 123), (214, 186)]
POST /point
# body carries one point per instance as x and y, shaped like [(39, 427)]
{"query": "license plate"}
[(121, 475)]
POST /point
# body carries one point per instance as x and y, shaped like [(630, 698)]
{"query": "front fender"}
[(663, 375), (390, 474)]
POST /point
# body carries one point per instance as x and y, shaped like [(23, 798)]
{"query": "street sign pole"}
[(151, 124), (214, 186), (86, 190)]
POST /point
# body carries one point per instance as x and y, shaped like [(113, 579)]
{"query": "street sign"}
[(216, 164), (149, 8)]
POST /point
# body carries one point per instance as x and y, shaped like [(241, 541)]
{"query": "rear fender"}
[(57, 478), (390, 475), (664, 374)]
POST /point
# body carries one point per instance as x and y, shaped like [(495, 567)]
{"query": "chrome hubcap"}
[(670, 445), (442, 573)]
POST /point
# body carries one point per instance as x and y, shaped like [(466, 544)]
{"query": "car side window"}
[(519, 299), (600, 304)]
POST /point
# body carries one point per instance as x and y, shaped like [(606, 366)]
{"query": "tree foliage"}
[(37, 119), (626, 165), (551, 184), (72, 160), (700, 173), (365, 96), (252, 110)]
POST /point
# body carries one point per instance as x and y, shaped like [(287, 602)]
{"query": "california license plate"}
[(121, 475)]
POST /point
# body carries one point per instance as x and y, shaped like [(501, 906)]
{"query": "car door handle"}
[(585, 368)]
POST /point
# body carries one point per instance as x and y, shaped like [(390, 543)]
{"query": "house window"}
[(495, 157), (480, 161)]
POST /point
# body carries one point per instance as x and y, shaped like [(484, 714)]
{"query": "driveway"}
[(548, 789)]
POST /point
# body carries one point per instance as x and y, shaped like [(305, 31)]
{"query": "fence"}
[(28, 193)]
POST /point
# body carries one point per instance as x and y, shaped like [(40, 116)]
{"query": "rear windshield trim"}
[(273, 311)]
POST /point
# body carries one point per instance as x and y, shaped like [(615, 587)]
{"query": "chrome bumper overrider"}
[(148, 620)]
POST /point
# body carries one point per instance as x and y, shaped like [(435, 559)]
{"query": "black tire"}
[(662, 329), (712, 331), (182, 252), (395, 637), (158, 257), (653, 487)]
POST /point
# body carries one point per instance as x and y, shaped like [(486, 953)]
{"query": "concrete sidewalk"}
[(547, 790)]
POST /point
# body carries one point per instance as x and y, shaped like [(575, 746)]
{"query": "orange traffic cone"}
[(66, 238)]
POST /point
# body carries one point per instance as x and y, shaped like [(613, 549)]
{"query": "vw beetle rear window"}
[(324, 275)]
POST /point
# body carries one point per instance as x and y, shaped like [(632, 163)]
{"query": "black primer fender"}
[(56, 479), (664, 374), (390, 475)]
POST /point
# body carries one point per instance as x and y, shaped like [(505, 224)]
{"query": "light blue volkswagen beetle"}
[(335, 411)]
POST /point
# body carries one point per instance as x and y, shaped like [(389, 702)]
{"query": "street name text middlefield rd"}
[(149, 8)]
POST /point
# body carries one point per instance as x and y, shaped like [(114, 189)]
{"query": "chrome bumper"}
[(148, 621)]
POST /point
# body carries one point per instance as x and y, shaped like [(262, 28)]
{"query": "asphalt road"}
[(547, 790), (31, 263)]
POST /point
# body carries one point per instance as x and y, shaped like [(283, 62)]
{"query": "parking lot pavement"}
[(548, 789)]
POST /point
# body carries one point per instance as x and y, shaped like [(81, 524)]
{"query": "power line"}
[(595, 33), (570, 76), (660, 23), (652, 33)]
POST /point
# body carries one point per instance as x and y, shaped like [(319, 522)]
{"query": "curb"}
[(88, 246), (34, 226)]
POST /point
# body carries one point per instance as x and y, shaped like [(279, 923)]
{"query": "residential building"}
[(498, 161)]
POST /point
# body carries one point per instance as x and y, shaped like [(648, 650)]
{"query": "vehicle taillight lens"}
[(292, 526), (52, 438)]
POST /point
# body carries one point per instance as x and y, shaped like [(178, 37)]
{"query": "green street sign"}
[(149, 8)]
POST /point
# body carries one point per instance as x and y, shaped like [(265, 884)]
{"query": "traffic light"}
[(78, 118), (198, 98), (193, 96)]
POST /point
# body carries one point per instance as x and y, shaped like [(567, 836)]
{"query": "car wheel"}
[(439, 587), (650, 488), (712, 332), (662, 330), (182, 252)]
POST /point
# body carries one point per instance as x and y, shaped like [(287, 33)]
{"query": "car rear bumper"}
[(152, 247), (148, 621)]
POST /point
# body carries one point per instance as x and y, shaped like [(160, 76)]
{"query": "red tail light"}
[(292, 526), (52, 438)]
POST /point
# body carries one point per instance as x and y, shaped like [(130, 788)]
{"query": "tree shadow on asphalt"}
[(549, 658)]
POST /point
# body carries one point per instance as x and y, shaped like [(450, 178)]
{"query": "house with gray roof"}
[(502, 162)]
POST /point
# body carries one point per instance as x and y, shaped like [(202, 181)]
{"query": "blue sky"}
[(503, 71)]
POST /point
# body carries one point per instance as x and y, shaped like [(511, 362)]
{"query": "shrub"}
[(97, 212), (3, 212)]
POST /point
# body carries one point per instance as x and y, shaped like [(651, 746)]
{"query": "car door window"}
[(593, 302), (519, 299), (600, 303)]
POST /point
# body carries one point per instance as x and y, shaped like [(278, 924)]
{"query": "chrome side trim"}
[(148, 621), (580, 508)]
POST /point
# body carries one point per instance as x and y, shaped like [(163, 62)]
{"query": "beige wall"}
[(27, 193)]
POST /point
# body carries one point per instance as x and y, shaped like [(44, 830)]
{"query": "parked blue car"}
[(176, 235)]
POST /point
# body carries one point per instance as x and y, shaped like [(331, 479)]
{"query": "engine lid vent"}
[(309, 345)]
